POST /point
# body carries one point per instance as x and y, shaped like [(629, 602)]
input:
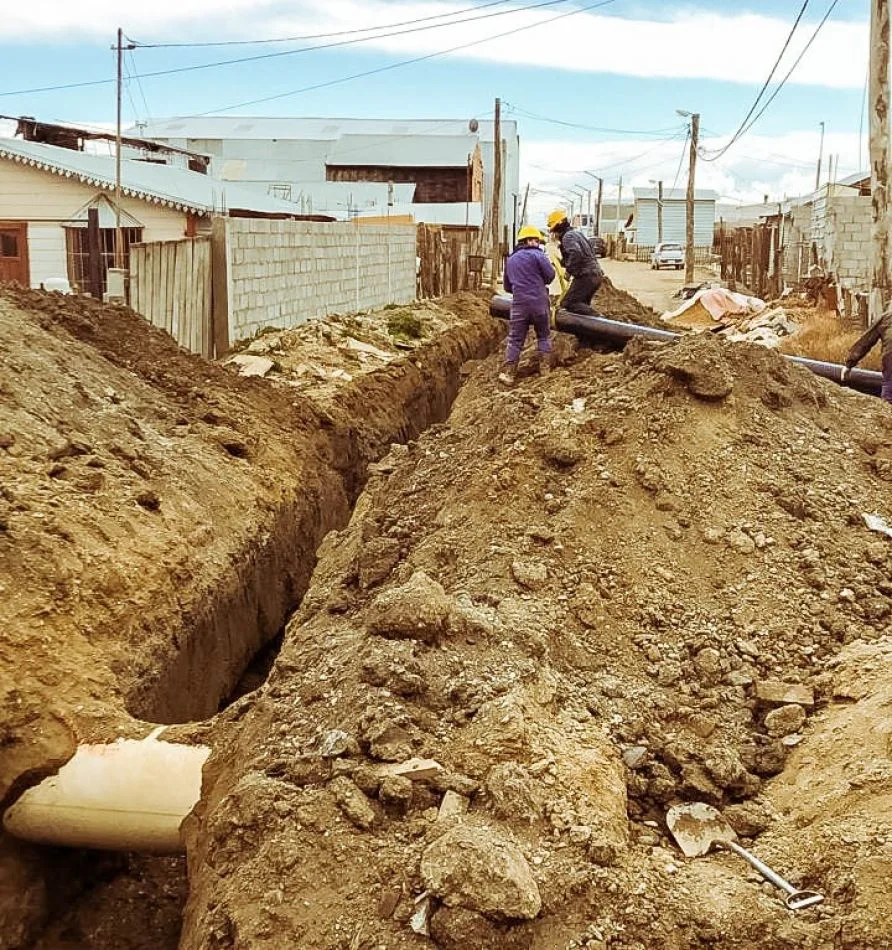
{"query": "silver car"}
[(667, 255)]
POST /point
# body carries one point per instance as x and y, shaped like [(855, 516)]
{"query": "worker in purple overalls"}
[(528, 272)]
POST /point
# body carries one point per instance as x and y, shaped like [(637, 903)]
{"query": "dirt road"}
[(652, 287)]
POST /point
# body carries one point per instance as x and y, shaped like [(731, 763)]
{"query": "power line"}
[(780, 85), (318, 36), (304, 49), (765, 84), (408, 62), (350, 42), (577, 125), (680, 160), (623, 163)]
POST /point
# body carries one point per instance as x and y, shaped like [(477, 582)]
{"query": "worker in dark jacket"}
[(580, 262), (528, 272), (880, 331)]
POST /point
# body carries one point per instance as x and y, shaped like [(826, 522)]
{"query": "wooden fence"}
[(170, 285), (445, 261)]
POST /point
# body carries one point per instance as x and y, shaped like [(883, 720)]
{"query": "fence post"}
[(220, 303)]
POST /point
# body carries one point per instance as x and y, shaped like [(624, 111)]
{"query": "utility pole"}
[(820, 159), (619, 203), (879, 157), (690, 202), (590, 220), (598, 208), (497, 193), (659, 212), (526, 196), (119, 234)]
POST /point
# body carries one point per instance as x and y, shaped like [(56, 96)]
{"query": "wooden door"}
[(14, 252)]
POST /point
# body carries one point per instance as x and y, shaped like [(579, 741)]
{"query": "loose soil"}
[(159, 517), (576, 596)]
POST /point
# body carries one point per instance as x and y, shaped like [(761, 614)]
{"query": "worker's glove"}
[(844, 373)]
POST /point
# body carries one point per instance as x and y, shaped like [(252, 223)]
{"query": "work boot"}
[(508, 374), (544, 363)]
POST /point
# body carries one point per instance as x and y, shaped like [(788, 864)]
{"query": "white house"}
[(293, 157), (47, 191), (674, 214)]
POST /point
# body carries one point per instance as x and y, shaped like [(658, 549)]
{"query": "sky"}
[(593, 86)]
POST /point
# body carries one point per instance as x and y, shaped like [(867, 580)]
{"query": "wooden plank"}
[(136, 259), (207, 334), (219, 278), (158, 314)]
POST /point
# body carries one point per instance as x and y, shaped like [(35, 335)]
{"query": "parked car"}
[(667, 255)]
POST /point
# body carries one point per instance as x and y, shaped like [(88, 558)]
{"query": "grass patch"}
[(404, 325), (823, 336)]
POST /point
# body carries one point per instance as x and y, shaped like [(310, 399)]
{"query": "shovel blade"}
[(697, 827)]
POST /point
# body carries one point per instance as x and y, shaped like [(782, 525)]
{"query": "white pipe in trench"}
[(129, 795)]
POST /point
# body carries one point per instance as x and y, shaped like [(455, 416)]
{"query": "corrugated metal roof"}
[(454, 214), (675, 194), (285, 127), (415, 151), (159, 184)]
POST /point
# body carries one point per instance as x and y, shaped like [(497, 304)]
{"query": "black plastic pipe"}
[(604, 331)]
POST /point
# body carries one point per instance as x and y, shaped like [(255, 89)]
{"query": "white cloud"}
[(693, 43), (777, 166)]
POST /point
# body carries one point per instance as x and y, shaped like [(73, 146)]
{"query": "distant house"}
[(46, 192), (292, 157), (646, 220)]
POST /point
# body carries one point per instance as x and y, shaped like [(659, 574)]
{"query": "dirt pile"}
[(619, 305), (621, 586), (159, 517)]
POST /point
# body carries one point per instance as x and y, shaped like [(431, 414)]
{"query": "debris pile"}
[(644, 579)]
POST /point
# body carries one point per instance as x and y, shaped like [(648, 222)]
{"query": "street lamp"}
[(596, 227)]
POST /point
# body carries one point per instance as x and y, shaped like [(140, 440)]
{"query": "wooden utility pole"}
[(659, 212), (619, 203), (690, 201), (590, 218), (820, 159), (526, 196), (598, 206), (497, 194), (119, 234), (879, 158)]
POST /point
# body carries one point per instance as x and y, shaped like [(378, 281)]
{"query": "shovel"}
[(698, 827)]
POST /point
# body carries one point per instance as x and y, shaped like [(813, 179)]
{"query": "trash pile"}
[(736, 317), (641, 581)]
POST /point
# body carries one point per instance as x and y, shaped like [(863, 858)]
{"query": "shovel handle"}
[(796, 899)]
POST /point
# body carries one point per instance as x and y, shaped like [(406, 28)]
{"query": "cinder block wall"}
[(847, 240), (282, 273)]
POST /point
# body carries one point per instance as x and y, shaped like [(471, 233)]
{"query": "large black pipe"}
[(604, 331)]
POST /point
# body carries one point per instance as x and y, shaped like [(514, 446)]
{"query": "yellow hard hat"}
[(528, 231), (555, 218)]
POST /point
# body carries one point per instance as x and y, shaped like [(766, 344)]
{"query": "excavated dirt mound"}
[(642, 580), (619, 305), (159, 518)]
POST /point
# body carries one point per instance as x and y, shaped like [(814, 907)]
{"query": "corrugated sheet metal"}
[(674, 222), (420, 151), (160, 184)]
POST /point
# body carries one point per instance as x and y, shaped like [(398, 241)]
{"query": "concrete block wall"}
[(282, 273), (846, 244)]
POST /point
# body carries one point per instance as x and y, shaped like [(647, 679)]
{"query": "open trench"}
[(228, 644)]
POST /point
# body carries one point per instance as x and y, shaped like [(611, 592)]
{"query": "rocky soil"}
[(644, 579), (159, 518)]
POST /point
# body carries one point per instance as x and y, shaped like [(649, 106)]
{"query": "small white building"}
[(674, 213), (47, 191)]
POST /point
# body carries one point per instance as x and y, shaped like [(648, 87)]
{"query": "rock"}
[(148, 500), (7, 440), (776, 693), (335, 743), (353, 803), (455, 782), (452, 806), (748, 819), (248, 365), (481, 870), (635, 757), (784, 721), (708, 663), (388, 741), (376, 561), (530, 574), (396, 791), (454, 928), (561, 450), (418, 610), (740, 541), (702, 726), (514, 792), (699, 364)]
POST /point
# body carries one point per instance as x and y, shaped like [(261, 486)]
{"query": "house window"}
[(78, 253), (9, 244)]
